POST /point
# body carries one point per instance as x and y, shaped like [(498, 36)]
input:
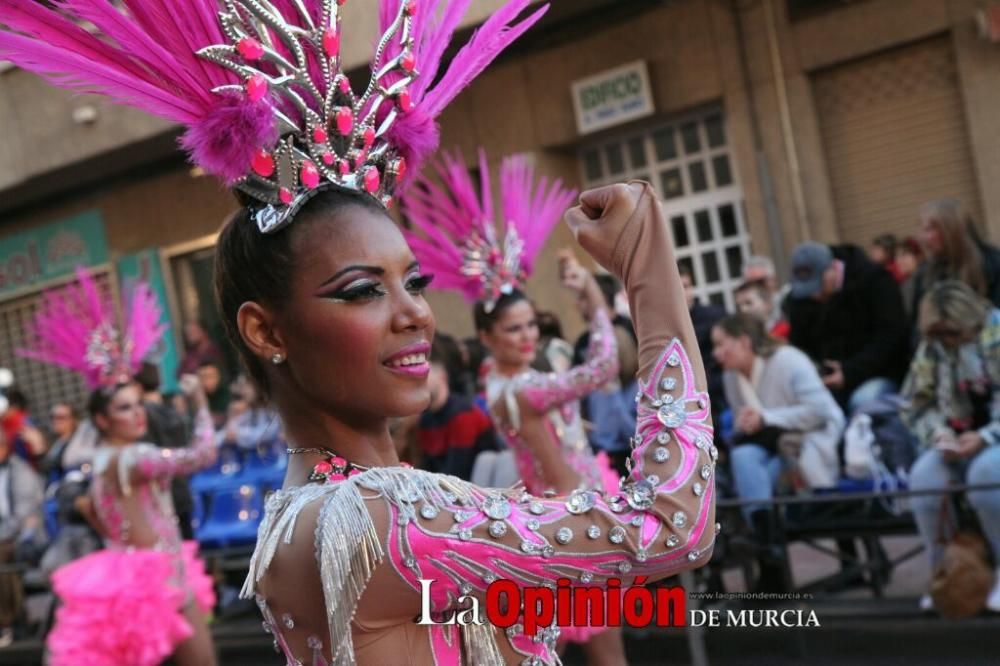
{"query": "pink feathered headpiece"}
[(455, 234), (260, 86), (75, 329)]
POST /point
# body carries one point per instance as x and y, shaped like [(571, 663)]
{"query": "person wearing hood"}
[(846, 313)]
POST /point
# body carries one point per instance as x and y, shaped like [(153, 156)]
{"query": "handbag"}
[(963, 578)]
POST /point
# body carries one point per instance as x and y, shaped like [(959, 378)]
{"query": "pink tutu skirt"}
[(122, 607)]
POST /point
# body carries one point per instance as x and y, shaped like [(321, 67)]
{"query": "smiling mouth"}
[(408, 361)]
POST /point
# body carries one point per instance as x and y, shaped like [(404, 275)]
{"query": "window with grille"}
[(43, 384), (688, 161)]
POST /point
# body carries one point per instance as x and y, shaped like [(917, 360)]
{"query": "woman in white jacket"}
[(784, 417)]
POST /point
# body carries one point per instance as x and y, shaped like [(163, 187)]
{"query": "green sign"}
[(612, 97), (145, 266), (51, 251)]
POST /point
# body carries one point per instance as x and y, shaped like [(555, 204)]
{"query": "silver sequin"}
[(314, 643), (593, 532), (548, 551), (533, 524), (564, 535), (616, 534), (637, 521), (669, 384), (641, 556), (640, 495), (498, 528), (537, 508), (287, 620), (663, 437), (679, 519), (527, 547), (586, 577), (672, 541), (429, 511), (698, 489), (465, 535), (465, 588), (625, 567), (496, 507), (674, 360), (581, 501), (693, 555), (672, 416), (706, 471)]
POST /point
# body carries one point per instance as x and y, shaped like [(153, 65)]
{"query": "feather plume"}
[(456, 237)]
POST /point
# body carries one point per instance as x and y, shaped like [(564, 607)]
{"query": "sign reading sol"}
[(612, 97)]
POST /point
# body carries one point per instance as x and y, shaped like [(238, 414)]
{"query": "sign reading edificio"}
[(612, 97)]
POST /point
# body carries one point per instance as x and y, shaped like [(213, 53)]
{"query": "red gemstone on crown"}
[(262, 163), (410, 7), (344, 167), (403, 100), (339, 463), (344, 84), (369, 137), (400, 167), (322, 468), (309, 174), (408, 61), (256, 87), (359, 159), (372, 180), (319, 135), (328, 158), (345, 120), (331, 42), (285, 195), (250, 49)]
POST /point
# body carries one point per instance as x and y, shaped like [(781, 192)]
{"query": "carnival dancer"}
[(454, 236), (322, 296), (146, 595)]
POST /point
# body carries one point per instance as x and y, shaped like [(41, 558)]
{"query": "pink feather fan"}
[(455, 235), (75, 328)]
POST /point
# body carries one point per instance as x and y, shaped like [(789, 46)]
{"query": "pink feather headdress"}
[(75, 328), (260, 87), (455, 234)]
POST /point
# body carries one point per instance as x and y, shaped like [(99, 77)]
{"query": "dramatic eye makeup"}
[(370, 285)]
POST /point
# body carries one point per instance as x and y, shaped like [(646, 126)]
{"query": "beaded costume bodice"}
[(144, 472), (338, 566), (557, 395)]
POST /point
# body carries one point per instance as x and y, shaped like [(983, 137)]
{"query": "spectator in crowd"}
[(453, 431), (453, 355), (199, 349), (554, 353), (785, 419), (882, 251), (704, 317), (477, 362), (63, 420), (25, 439), (167, 429), (22, 530), (953, 393), (759, 268), (955, 251), (210, 376), (252, 425), (757, 300), (909, 256), (846, 313)]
